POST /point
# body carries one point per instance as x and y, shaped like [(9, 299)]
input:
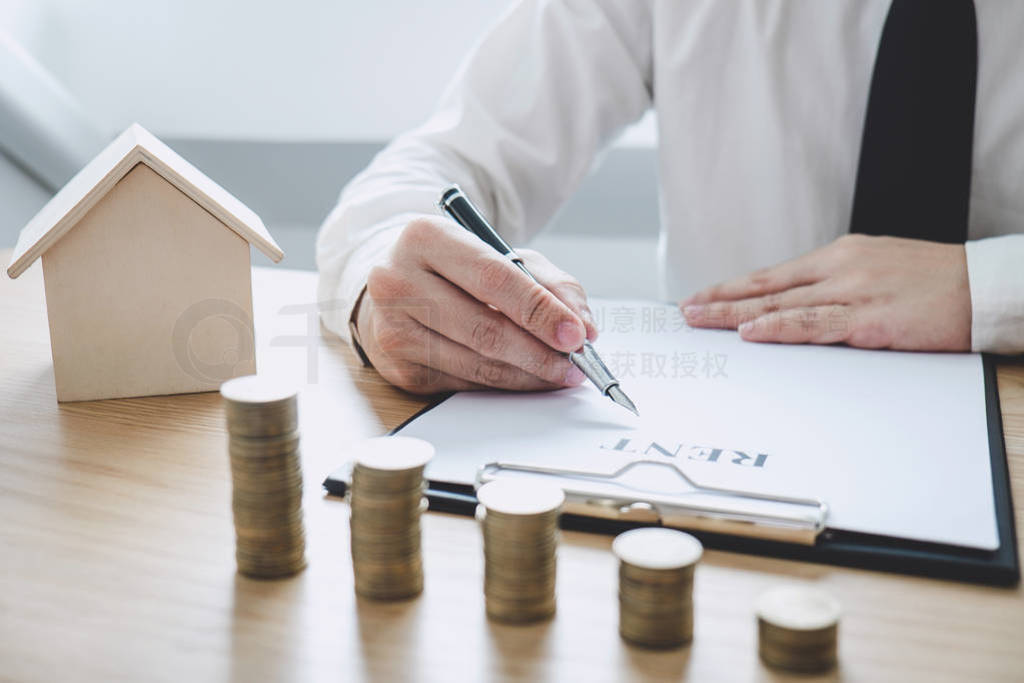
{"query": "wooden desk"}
[(116, 548)]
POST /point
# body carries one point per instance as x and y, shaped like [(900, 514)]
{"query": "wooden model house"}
[(147, 272)]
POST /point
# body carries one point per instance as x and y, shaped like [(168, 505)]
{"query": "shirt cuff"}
[(337, 295), (995, 270)]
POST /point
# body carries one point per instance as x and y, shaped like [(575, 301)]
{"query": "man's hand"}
[(448, 313), (870, 292)]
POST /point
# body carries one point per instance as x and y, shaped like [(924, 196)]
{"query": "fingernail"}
[(569, 334), (574, 377), (687, 301), (693, 311), (745, 327)]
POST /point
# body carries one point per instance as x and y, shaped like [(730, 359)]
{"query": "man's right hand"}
[(446, 312)]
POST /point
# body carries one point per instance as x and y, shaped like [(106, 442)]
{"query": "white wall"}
[(271, 74), (21, 196), (256, 69), (253, 69)]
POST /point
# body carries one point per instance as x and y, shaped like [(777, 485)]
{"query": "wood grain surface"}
[(116, 552)]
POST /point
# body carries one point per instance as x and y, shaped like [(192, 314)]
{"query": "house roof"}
[(135, 145)]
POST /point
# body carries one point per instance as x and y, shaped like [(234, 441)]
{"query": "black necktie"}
[(914, 177)]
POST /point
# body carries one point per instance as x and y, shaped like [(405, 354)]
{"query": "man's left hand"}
[(869, 292)]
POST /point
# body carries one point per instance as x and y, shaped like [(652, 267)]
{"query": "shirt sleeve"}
[(995, 270), (519, 128)]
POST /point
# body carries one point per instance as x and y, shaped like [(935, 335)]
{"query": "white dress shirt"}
[(760, 109)]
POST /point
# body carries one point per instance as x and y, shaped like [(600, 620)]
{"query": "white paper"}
[(895, 443)]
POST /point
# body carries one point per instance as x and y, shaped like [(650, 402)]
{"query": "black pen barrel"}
[(455, 204)]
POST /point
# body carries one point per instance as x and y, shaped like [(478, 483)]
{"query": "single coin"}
[(392, 453), (520, 496), (798, 608), (257, 389), (264, 446), (657, 548), (272, 571), (516, 613)]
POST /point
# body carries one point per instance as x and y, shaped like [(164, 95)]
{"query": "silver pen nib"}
[(619, 396), (587, 360)]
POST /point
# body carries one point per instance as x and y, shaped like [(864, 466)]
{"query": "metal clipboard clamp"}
[(704, 508)]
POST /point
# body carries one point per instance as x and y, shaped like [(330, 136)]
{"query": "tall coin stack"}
[(798, 628), (656, 586), (387, 501), (519, 519), (266, 474)]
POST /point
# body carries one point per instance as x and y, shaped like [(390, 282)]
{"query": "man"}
[(769, 153)]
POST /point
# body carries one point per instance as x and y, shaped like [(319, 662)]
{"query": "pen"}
[(455, 203)]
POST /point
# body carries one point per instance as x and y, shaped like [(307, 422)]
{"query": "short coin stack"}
[(798, 628), (519, 519), (266, 474), (387, 501), (656, 586)]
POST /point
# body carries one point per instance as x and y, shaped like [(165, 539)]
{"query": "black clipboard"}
[(867, 551)]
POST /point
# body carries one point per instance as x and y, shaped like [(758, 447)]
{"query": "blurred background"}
[(281, 103)]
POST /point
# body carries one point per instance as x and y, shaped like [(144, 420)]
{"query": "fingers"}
[(561, 284), (864, 291), (805, 325), (731, 314), (404, 348), (804, 270), (419, 379), (462, 259), (382, 332), (448, 313), (469, 323)]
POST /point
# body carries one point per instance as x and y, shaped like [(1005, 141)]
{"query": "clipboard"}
[(803, 535)]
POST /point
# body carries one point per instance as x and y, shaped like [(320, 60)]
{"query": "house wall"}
[(148, 294)]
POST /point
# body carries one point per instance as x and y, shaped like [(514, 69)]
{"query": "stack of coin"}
[(656, 585), (798, 628), (519, 518), (266, 475), (387, 500)]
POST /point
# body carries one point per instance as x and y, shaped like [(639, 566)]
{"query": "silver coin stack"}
[(798, 629), (519, 519), (266, 475), (386, 499), (656, 571)]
